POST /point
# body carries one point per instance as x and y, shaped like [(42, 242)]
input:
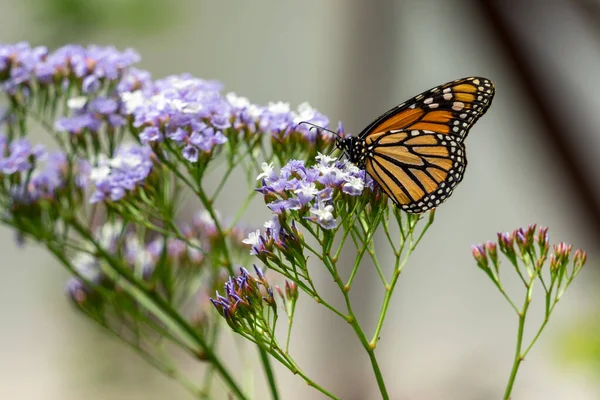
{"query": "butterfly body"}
[(415, 151)]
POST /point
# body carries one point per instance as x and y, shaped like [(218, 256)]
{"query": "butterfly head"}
[(354, 148)]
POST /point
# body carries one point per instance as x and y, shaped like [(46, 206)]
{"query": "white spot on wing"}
[(457, 106)]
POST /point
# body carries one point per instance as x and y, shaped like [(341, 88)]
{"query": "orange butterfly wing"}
[(416, 150)]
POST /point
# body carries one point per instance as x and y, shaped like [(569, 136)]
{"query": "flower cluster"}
[(144, 252), (275, 236), (245, 298), (23, 67), (31, 173), (311, 191), (532, 247), (193, 115), (113, 177), (91, 115)]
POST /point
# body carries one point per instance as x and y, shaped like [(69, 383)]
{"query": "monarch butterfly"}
[(415, 151)]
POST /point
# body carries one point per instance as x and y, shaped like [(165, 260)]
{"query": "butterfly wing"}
[(415, 150), (417, 169)]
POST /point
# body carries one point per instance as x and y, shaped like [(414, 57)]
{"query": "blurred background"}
[(532, 159)]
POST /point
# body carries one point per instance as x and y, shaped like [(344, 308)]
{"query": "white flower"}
[(254, 241), (77, 103), (279, 108), (237, 101), (99, 173), (351, 168), (132, 100), (268, 224), (305, 113), (353, 186), (307, 190), (253, 238), (324, 215), (325, 159), (267, 171)]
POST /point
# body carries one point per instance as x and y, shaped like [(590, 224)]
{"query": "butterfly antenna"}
[(313, 126)]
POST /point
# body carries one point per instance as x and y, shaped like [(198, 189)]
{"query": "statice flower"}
[(91, 115), (246, 298), (32, 174), (311, 191), (277, 238), (193, 114), (113, 177), (186, 110), (17, 64), (90, 68)]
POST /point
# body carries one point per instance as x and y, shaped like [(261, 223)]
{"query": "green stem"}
[(386, 302), (289, 330), (296, 370), (539, 332), (518, 355), (264, 358), (357, 329)]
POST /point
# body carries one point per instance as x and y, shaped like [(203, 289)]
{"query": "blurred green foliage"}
[(581, 344), (60, 20)]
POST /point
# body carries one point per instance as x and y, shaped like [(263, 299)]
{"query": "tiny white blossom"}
[(279, 108), (268, 224), (254, 241), (308, 190), (267, 171), (187, 107), (132, 100), (77, 103), (351, 168), (237, 101), (254, 111), (353, 186), (127, 162), (305, 113), (99, 173), (324, 215), (324, 158), (253, 238)]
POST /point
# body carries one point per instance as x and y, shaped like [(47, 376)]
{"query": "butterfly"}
[(415, 151)]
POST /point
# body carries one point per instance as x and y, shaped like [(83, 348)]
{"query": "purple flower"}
[(190, 153), (113, 178), (77, 290), (279, 206), (76, 124), (19, 157), (245, 298), (297, 186), (178, 135), (150, 134), (91, 65), (293, 166), (103, 105)]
